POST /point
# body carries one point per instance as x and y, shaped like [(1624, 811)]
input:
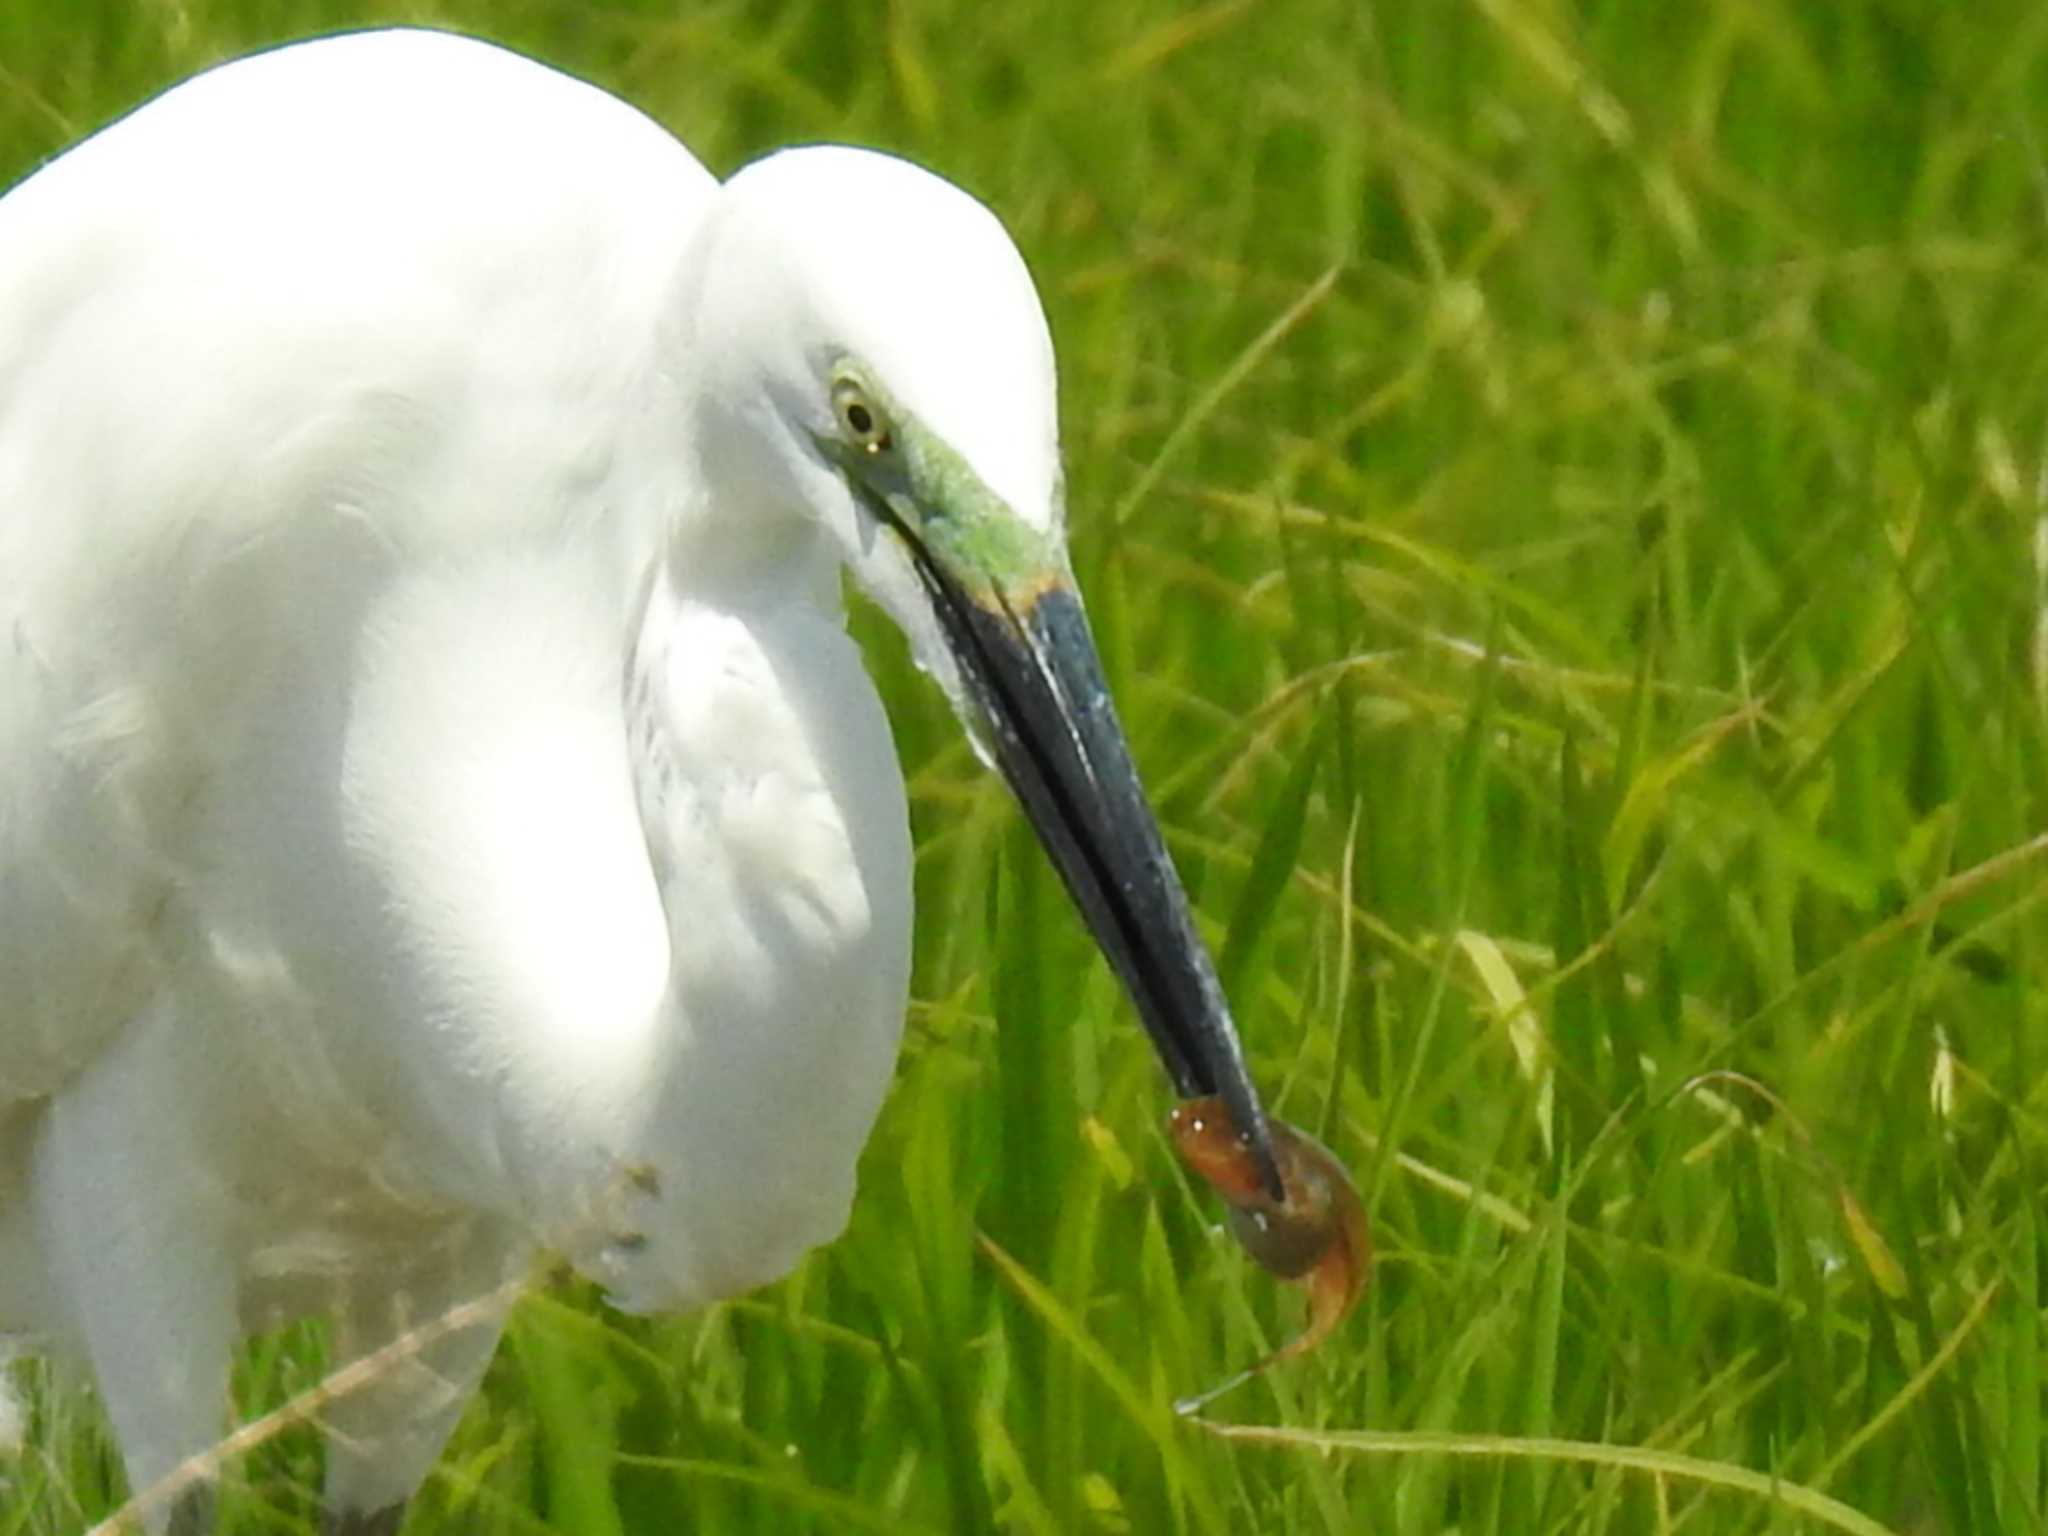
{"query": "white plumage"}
[(440, 809)]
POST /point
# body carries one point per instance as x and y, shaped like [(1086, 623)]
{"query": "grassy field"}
[(1557, 485)]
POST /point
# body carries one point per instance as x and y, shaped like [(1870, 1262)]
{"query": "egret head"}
[(871, 359)]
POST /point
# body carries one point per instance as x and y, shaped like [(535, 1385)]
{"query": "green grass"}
[(1555, 483)]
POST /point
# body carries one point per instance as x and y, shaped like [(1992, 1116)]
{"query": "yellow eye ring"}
[(863, 421)]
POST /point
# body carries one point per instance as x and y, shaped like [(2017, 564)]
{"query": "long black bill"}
[(1033, 670)]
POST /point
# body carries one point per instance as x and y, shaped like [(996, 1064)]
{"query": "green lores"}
[(915, 482)]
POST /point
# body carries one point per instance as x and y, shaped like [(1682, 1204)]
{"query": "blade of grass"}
[(1663, 1464)]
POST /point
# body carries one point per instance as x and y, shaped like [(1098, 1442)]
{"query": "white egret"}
[(441, 812)]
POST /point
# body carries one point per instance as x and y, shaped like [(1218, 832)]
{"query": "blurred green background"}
[(1557, 485)]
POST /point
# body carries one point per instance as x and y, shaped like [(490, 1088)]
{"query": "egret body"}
[(441, 812)]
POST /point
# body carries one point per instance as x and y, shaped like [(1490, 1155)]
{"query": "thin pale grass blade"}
[(304, 1408), (1245, 365), (1665, 1464)]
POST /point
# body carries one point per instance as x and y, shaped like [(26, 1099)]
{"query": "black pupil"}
[(860, 418)]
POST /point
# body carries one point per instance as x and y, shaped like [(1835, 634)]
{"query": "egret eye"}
[(861, 419)]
